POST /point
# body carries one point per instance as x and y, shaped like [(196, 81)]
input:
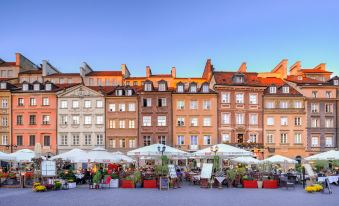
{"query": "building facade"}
[(122, 119)]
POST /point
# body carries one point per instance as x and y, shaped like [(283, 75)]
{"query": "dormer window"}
[(129, 92), (48, 87), (273, 89), (300, 78), (36, 87), (119, 92), (314, 94), (286, 90), (148, 87), (162, 87), (3, 85), (205, 88), (193, 88), (336, 82), (180, 88), (239, 79), (25, 87)]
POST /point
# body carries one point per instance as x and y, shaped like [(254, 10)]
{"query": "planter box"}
[(114, 183), (127, 184), (150, 184), (250, 184), (72, 185), (270, 184)]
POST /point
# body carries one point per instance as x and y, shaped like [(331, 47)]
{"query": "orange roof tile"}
[(105, 73)]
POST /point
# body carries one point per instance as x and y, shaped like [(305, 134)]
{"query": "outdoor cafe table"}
[(331, 179)]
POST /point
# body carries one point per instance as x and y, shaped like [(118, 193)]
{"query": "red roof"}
[(304, 80), (63, 74), (105, 73), (271, 80), (32, 72), (8, 64), (315, 71), (226, 78)]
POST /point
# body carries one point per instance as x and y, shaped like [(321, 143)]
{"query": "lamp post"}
[(11, 146), (214, 150), (162, 150)]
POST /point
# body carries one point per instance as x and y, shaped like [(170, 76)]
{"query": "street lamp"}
[(162, 150), (11, 146), (215, 150)]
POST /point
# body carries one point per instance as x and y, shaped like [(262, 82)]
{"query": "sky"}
[(180, 33)]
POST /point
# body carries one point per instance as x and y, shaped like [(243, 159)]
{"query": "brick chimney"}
[(174, 72), (243, 68), (148, 71)]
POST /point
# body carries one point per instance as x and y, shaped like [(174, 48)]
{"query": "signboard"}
[(328, 185), (48, 168), (164, 183), (172, 172), (206, 172)]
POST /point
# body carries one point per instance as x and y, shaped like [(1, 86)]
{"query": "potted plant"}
[(127, 182), (71, 183), (11, 178), (249, 182), (231, 174), (57, 185), (96, 179), (114, 183), (149, 181), (137, 179)]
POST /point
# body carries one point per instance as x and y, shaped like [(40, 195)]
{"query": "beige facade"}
[(5, 117)]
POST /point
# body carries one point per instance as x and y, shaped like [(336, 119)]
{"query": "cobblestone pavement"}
[(187, 195)]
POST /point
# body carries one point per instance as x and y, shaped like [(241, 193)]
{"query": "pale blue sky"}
[(163, 34)]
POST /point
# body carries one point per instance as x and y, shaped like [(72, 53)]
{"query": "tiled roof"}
[(63, 74), (279, 83), (226, 78), (315, 71), (104, 89), (32, 72), (105, 73), (8, 64), (304, 80)]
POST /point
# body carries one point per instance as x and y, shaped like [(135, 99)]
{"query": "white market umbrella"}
[(224, 150), (278, 159), (74, 155), (122, 157), (100, 155), (246, 160), (329, 155), (5, 157), (152, 150), (23, 155)]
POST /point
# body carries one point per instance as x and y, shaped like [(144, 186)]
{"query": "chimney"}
[(17, 59), (243, 68), (321, 66), (281, 69), (124, 70), (174, 72), (295, 68), (148, 71)]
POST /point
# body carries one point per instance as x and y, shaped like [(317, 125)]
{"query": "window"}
[(100, 139), (161, 120), (146, 121), (253, 138), (314, 94), (19, 120), (162, 139), (64, 104), (180, 88), (45, 101), (336, 82), (240, 119), (3, 85), (226, 118), (239, 98), (253, 119), (111, 107), (283, 138), (225, 97), (121, 124), (4, 103), (253, 99), (273, 90), (180, 104), (328, 94), (194, 104), (88, 103), (181, 121), (314, 142), (283, 121), (162, 87), (162, 102), (297, 121), (122, 143), (75, 104), (194, 140), (329, 122), (314, 108), (286, 90), (131, 107), (147, 140), (206, 104), (315, 122), (147, 102), (45, 119), (63, 119), (194, 122), (207, 139), (180, 140), (111, 124), (31, 140), (205, 88), (121, 107), (4, 121), (328, 108), (4, 140), (225, 138), (298, 104), (193, 88), (206, 121), (36, 87), (270, 105), (32, 101), (132, 143), (20, 101), (75, 119), (270, 138), (32, 119), (25, 87), (99, 104), (19, 140), (107, 82), (88, 139), (100, 119), (135, 83), (118, 92), (270, 121), (283, 105), (297, 138), (128, 92), (76, 140), (99, 82), (63, 140), (148, 87), (131, 124), (329, 141), (47, 141), (88, 119)]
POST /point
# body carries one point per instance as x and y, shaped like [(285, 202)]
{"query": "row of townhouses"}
[(288, 111)]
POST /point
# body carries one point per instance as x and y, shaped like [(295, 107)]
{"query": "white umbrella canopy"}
[(246, 160), (100, 155), (23, 155), (224, 150), (74, 155), (5, 157), (152, 150), (122, 157), (329, 155), (278, 159)]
